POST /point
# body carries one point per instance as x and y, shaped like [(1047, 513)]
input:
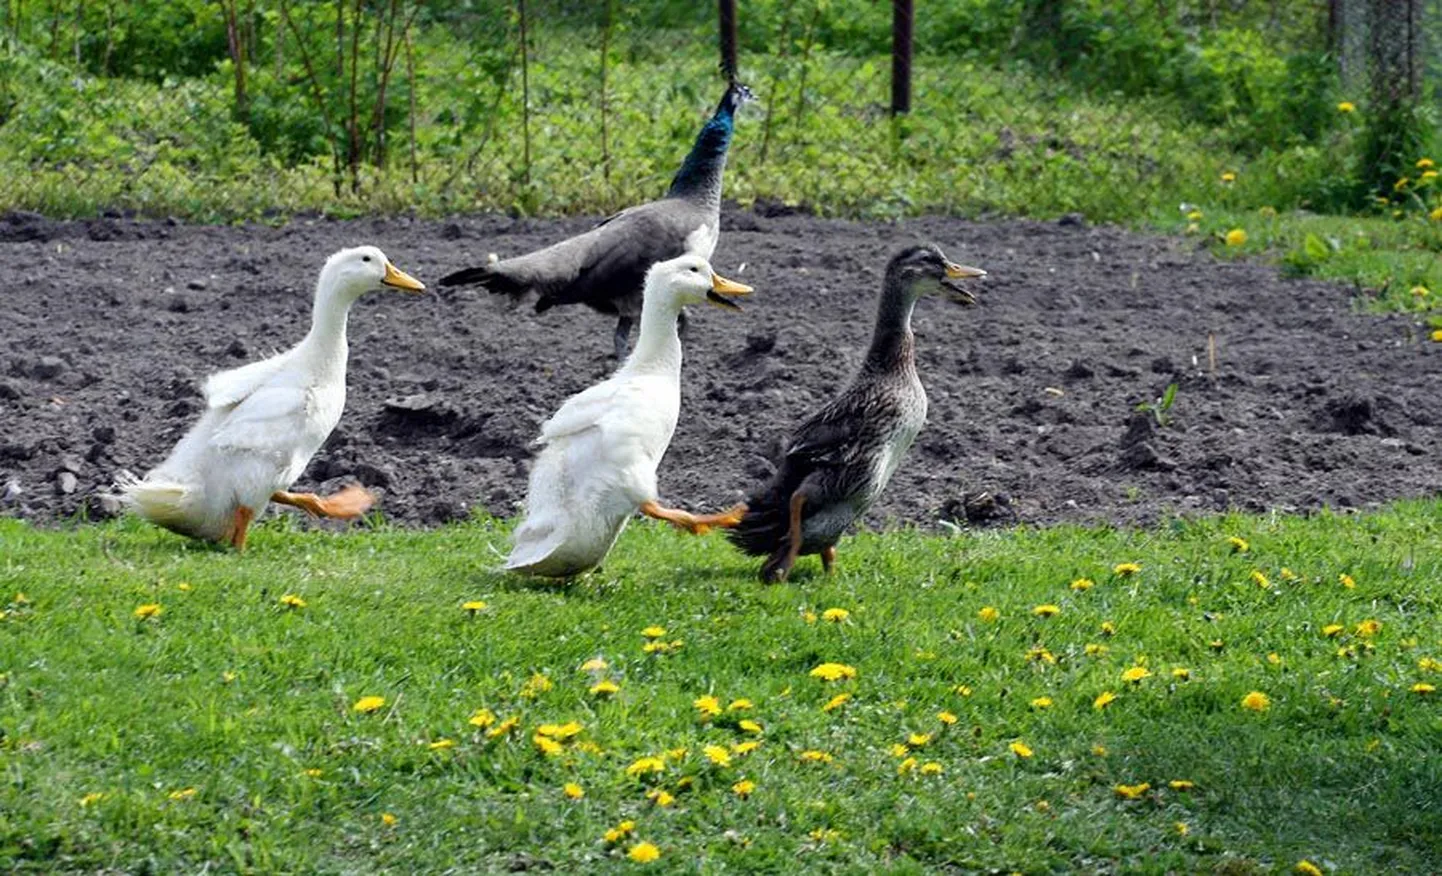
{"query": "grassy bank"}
[(1000, 716)]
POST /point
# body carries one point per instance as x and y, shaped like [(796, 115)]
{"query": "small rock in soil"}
[(65, 483), (1140, 427), (12, 491), (178, 304), (237, 349), (103, 434), (103, 506), (48, 367), (197, 285), (9, 392), (1144, 457), (1350, 415), (1079, 370), (71, 463)]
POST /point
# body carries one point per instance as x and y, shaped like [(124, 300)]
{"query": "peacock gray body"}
[(605, 268)]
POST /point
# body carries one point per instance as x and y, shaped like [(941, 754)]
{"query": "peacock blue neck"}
[(700, 175)]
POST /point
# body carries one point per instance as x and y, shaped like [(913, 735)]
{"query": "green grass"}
[(232, 694)]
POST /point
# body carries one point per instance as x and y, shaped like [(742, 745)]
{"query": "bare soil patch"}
[(107, 328)]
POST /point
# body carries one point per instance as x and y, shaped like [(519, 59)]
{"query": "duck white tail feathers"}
[(161, 502)]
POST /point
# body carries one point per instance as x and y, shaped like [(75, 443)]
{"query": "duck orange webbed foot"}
[(683, 520), (349, 503)]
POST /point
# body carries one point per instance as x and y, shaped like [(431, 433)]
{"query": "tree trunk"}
[(902, 17), (525, 93)]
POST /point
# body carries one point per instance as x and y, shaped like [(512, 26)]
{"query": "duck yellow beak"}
[(960, 272), (398, 279), (720, 286)]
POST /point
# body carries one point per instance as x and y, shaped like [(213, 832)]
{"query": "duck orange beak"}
[(960, 272), (720, 287), (398, 279)]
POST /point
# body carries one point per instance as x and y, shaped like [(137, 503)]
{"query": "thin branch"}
[(330, 129)]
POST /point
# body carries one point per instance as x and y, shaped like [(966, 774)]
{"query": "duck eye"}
[(365, 258)]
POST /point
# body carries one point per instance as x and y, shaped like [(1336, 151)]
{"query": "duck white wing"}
[(226, 388), (267, 419)]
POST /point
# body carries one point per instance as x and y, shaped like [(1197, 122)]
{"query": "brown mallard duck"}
[(837, 462)]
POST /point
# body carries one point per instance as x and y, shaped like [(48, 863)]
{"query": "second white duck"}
[(599, 452)]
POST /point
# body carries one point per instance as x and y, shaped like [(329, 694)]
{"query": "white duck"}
[(264, 421), (597, 465)]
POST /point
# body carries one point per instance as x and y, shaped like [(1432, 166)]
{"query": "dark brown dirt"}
[(107, 328)]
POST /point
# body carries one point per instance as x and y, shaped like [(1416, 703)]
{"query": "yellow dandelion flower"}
[(963, 690), (1346, 106), (605, 688), (1260, 579), (547, 746), (1181, 828), (561, 731), (1131, 792), (92, 798), (620, 831), (740, 705), (290, 600), (749, 726), (536, 685), (503, 728), (708, 706), (142, 612), (1274, 658), (653, 632), (1236, 237), (1192, 228), (314, 772), (1046, 610), (1229, 176), (1083, 584), (906, 766), (473, 606), (1347, 581), (366, 705), (1181, 784), (988, 614), (483, 718), (809, 616), (1331, 631), (835, 615), (573, 791), (1216, 644), (1091, 649), (743, 788), (1287, 574), (1427, 664), (1307, 868), (899, 749), (931, 768), (1369, 628), (1425, 164), (746, 747), (1181, 673), (442, 744), (1104, 699), (836, 702), (946, 718), (717, 754), (1401, 184), (1122, 570), (644, 765), (1041, 703), (1135, 674), (917, 740), (1437, 333), (1042, 655), (1099, 750), (643, 853), (227, 676), (661, 797), (1109, 628), (1020, 749), (182, 794), (388, 819), (1435, 215), (1423, 688), (183, 587), (833, 671), (814, 756), (1194, 216), (1257, 701)]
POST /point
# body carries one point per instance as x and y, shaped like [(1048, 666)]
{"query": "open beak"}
[(398, 279), (720, 286), (956, 292)]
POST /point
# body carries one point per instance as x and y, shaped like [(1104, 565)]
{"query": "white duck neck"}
[(658, 346), (325, 344)]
